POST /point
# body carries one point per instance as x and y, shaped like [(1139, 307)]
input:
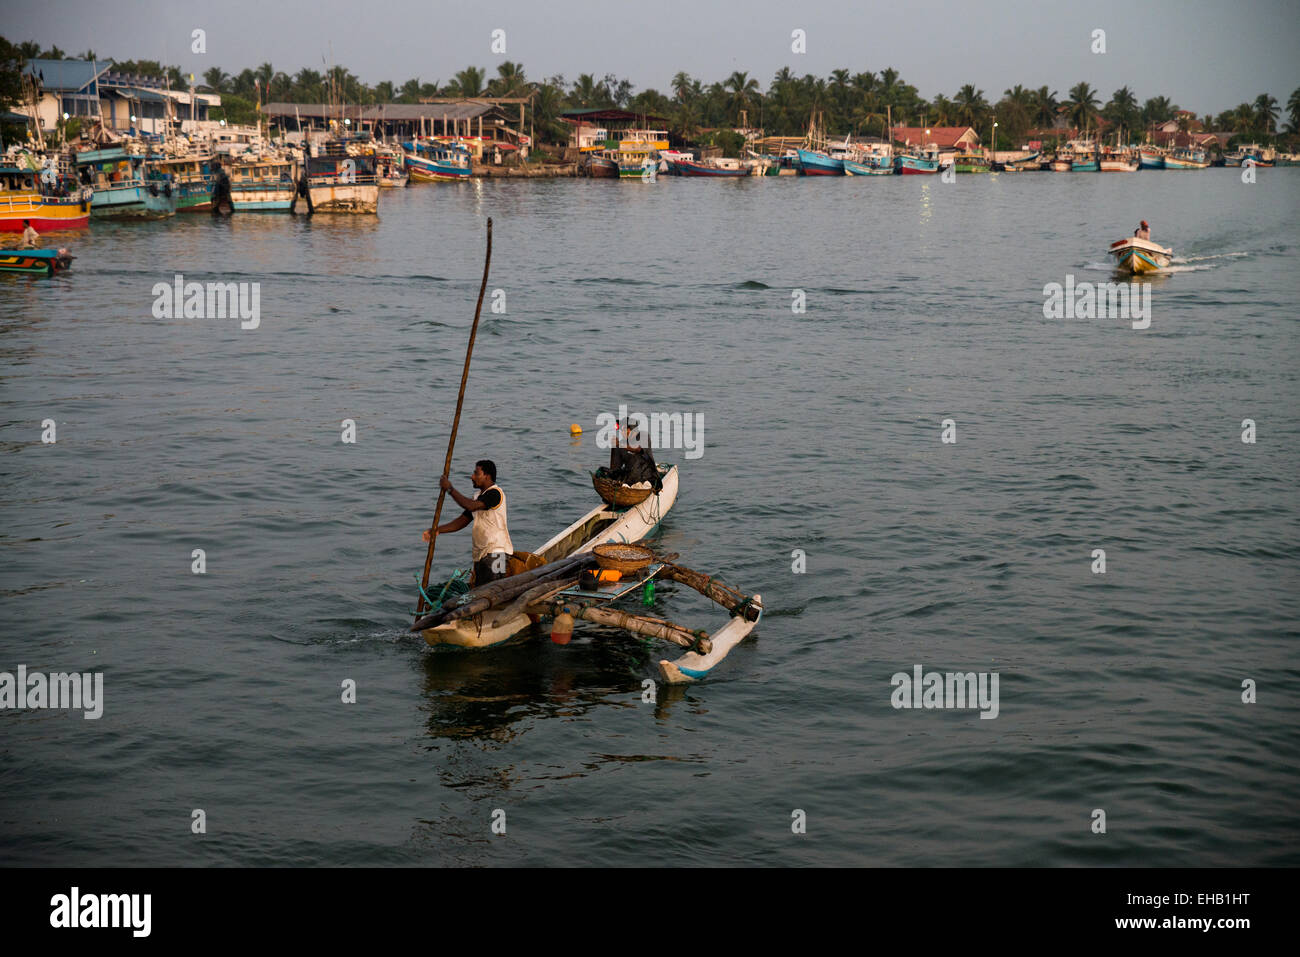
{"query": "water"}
[(822, 432)]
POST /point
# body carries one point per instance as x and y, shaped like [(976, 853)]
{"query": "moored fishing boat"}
[(437, 161), (1186, 158), (715, 168), (190, 177), (914, 163), (124, 187), (35, 262), (638, 153), (390, 167), (1139, 256), (263, 185), (48, 206), (339, 182), (818, 163), (1118, 164), (1151, 157), (869, 166), (971, 163), (1083, 163), (1058, 164), (600, 166)]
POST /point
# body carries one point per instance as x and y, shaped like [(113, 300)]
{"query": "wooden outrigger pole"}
[(455, 425)]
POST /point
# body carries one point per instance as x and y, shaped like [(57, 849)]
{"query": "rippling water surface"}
[(822, 432)]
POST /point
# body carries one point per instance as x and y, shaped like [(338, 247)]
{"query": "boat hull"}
[(688, 168), (46, 213), (1139, 257), (133, 202), (866, 169), (33, 262), (1118, 166), (915, 166), (812, 163), (262, 199), (344, 197)]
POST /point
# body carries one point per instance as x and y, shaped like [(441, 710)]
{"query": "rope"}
[(459, 579)]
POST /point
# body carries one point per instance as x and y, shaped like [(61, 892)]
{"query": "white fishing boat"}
[(1139, 256), (547, 587)]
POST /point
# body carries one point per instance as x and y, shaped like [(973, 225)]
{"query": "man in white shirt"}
[(490, 545)]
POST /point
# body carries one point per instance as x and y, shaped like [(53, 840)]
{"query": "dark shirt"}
[(490, 499), (631, 466)]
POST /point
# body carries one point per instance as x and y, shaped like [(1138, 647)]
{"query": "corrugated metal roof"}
[(385, 111), (71, 75)]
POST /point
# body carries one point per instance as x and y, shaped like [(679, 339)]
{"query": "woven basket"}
[(616, 493), (622, 557)]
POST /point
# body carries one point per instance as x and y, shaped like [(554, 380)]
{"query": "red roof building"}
[(944, 137)]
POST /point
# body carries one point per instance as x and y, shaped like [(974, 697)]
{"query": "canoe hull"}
[(1139, 257), (631, 525)]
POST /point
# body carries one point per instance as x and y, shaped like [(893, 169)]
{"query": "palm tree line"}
[(847, 102)]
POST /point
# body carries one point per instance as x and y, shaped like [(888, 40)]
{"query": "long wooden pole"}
[(455, 425)]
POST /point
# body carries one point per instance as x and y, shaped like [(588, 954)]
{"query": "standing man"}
[(490, 545), (30, 236), (1143, 231)]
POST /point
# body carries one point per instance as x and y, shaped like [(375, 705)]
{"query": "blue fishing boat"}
[(125, 187), (914, 163), (1150, 157), (873, 166), (1085, 164), (436, 162), (817, 163)]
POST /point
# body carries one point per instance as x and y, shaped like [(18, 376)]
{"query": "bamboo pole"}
[(729, 598), (638, 624), (455, 425)]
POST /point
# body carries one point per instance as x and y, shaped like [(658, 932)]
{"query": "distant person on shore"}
[(30, 236), (490, 546), (1143, 231)]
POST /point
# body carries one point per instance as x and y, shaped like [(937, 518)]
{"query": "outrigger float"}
[(551, 586)]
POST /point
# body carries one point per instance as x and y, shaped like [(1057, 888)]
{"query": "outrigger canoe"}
[(39, 262), (1138, 256), (501, 610)]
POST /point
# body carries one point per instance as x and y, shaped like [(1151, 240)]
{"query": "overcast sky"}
[(1206, 55)]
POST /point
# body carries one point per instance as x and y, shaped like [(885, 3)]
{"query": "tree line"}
[(846, 102)]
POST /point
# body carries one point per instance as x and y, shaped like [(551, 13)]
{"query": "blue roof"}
[(66, 75)]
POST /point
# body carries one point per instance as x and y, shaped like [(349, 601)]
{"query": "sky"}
[(1205, 55)]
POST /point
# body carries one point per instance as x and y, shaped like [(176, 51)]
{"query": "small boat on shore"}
[(1151, 157), (550, 584), (35, 262), (1139, 256)]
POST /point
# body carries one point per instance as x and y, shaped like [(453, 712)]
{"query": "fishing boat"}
[(1139, 256), (638, 153), (438, 161), (340, 182), (1057, 164), (1185, 157), (190, 177), (1084, 162), (124, 186), (601, 166), (1030, 163), (35, 262), (1119, 163), (818, 163), (869, 166), (1251, 151), (717, 167), (390, 167), (1151, 157), (266, 185), (48, 206), (917, 162), (550, 586), (971, 163)]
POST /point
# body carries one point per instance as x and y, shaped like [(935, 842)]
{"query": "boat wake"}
[(1197, 259)]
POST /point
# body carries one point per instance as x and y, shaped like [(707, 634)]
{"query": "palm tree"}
[(1266, 113), (742, 89), (307, 86), (1293, 109), (509, 81), (971, 106), (1046, 107), (1244, 119), (586, 92), (468, 82), (1122, 110), (681, 85), (217, 79), (1157, 110), (1082, 107)]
